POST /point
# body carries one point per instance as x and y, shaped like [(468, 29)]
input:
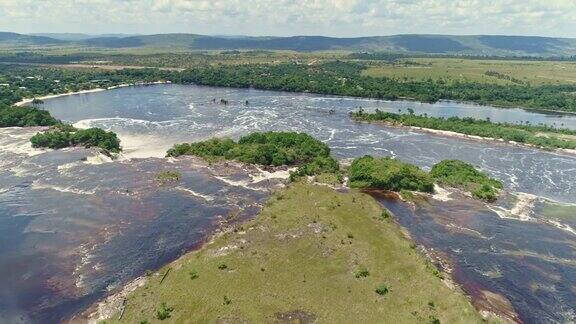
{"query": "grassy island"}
[(269, 149), (312, 255), (539, 136), (62, 136)]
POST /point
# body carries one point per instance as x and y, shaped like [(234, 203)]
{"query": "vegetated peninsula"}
[(312, 254), (538, 136)]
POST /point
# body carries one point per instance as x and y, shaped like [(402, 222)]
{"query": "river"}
[(106, 223)]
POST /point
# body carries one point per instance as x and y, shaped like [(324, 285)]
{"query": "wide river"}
[(73, 228)]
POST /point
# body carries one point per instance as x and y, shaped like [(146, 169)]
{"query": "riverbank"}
[(451, 134), (311, 261), (26, 101)]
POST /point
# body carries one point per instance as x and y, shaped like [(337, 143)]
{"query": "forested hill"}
[(427, 44)]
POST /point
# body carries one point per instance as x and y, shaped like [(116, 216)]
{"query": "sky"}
[(340, 18)]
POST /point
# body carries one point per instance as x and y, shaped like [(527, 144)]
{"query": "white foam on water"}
[(65, 168), (234, 183), (265, 175), (564, 227), (465, 229), (441, 194), (98, 159), (36, 185), (136, 146), (194, 193), (22, 147), (522, 209), (332, 134)]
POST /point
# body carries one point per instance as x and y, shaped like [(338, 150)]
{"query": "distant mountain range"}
[(424, 44), (78, 36)]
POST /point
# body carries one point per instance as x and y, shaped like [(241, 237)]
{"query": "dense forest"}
[(344, 78), (540, 136), (25, 117), (19, 82), (332, 78)]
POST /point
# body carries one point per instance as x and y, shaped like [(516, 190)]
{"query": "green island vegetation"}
[(168, 176), (458, 174), (388, 174), (269, 149), (312, 255), (539, 136), (62, 136)]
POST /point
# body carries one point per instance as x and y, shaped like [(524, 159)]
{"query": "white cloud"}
[(290, 17)]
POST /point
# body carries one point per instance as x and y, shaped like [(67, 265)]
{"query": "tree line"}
[(331, 78), (540, 136)]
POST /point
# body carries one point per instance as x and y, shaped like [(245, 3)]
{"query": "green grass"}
[(301, 256), (168, 176), (533, 72)]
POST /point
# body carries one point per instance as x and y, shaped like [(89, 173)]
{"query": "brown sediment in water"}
[(488, 303)]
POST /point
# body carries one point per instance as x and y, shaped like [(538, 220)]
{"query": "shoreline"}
[(452, 134), (444, 133), (26, 101), (109, 305)]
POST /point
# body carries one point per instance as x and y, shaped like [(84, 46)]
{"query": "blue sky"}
[(344, 18)]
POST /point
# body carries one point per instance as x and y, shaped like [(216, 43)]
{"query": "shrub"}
[(270, 149), (25, 117), (164, 312), (227, 301), (382, 290), (462, 175), (385, 214), (388, 174), (362, 273), (167, 176), (485, 192), (63, 136), (194, 274)]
